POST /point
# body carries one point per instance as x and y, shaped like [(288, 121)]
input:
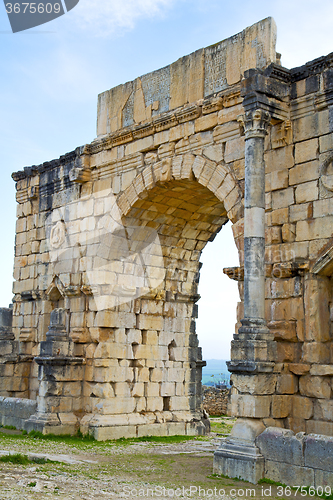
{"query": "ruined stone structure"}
[(215, 400), (108, 244)]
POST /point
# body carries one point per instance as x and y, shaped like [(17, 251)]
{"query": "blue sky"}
[(51, 75)]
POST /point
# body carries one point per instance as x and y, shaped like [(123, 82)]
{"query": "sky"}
[(51, 76)]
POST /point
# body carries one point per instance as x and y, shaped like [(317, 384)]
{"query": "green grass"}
[(222, 427), (217, 476), (155, 439), (218, 416), (86, 441), (67, 438), (16, 458), (19, 459), (266, 480), (79, 438), (9, 427)]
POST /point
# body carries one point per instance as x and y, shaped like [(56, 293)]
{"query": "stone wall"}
[(300, 460), (15, 411), (215, 401)]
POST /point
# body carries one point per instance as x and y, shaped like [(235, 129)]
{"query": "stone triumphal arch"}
[(101, 335)]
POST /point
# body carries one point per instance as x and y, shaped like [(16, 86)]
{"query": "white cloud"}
[(107, 17)]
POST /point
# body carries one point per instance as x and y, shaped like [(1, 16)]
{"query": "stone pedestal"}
[(238, 456)]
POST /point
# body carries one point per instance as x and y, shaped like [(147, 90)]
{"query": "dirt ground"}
[(87, 470)]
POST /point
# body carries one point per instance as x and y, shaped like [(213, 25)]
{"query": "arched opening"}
[(185, 215), (217, 306)]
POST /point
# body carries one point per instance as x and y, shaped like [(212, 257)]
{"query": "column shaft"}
[(254, 229)]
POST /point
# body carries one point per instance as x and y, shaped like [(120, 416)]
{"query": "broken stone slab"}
[(289, 474), (281, 445), (318, 452)]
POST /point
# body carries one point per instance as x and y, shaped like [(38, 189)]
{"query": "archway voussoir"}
[(217, 178), (236, 213), (226, 187), (238, 228), (186, 170), (131, 194), (123, 203), (162, 170), (232, 198), (177, 166), (207, 172), (138, 184), (148, 178), (198, 165)]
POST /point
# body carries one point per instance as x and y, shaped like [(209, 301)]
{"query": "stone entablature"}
[(109, 239)]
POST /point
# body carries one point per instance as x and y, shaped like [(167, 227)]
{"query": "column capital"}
[(254, 123)]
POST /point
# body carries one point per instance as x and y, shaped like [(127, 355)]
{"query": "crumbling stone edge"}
[(296, 460)]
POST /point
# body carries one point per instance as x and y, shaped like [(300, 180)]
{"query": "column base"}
[(253, 349), (255, 328), (239, 461), (238, 456), (50, 423)]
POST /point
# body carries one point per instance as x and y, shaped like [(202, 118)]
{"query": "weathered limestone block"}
[(281, 406), (314, 386), (317, 308), (306, 150), (288, 232), (299, 368), (287, 384), (302, 407), (250, 406), (281, 445), (322, 370), (297, 425), (254, 384), (305, 172), (291, 474), (284, 330), (319, 427), (323, 409), (282, 198), (318, 452), (311, 126), (323, 478), (314, 229), (316, 352), (288, 352)]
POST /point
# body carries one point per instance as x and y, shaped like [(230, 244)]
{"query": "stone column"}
[(255, 127), (252, 350), (253, 347)]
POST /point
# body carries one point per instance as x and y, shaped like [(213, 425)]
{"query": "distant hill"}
[(215, 372)]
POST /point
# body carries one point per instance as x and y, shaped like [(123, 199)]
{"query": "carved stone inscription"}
[(156, 87), (128, 111), (215, 69)]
